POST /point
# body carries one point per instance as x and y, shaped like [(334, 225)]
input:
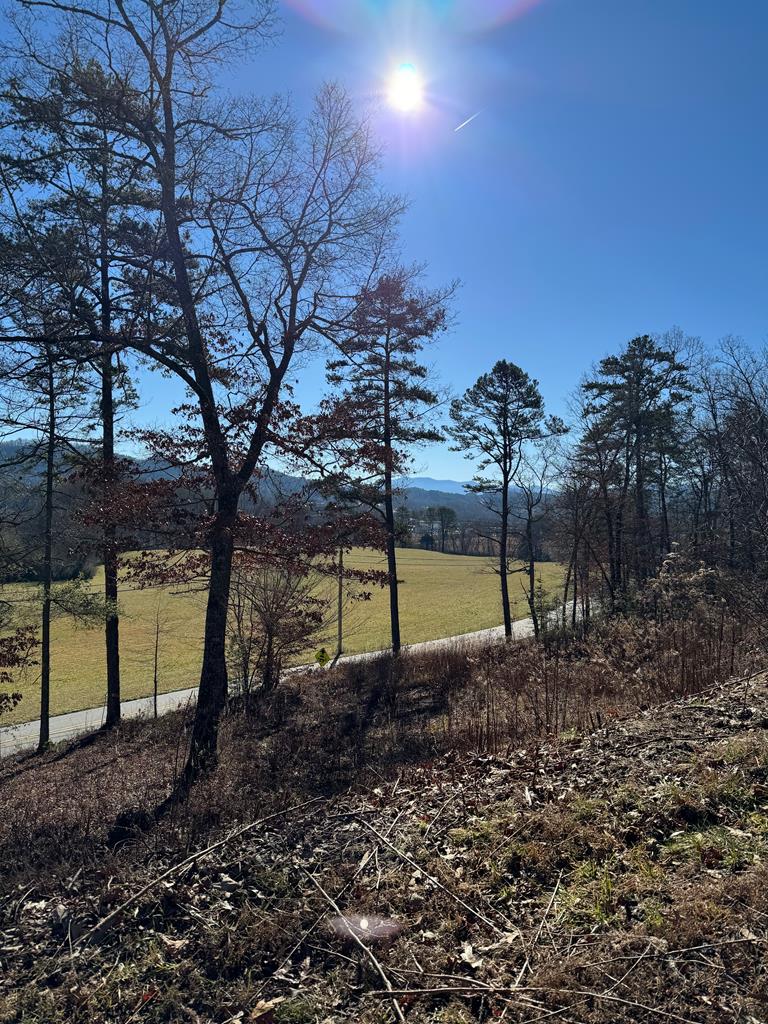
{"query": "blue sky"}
[(612, 184)]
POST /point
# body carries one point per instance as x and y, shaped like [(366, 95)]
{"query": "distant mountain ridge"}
[(429, 483), (468, 507), (416, 493)]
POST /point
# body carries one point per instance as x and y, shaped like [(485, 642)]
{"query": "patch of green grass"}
[(627, 797), (30, 1006), (716, 847), (478, 833), (751, 750), (583, 809), (440, 596), (454, 1014), (758, 822), (652, 915), (590, 896), (296, 1011), (732, 791), (684, 806)]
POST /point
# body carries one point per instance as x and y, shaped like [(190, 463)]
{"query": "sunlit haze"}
[(406, 89)]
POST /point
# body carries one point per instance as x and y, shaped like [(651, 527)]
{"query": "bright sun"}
[(406, 89)]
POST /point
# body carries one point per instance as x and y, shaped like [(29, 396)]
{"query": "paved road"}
[(15, 738)]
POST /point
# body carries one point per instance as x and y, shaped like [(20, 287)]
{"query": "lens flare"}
[(406, 89), (350, 16), (484, 15)]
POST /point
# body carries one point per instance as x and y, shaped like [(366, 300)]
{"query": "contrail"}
[(468, 121)]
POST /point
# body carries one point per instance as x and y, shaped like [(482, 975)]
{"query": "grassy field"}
[(440, 595)]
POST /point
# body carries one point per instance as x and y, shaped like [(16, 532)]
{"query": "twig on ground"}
[(100, 927), (361, 945), (435, 881), (501, 991), (637, 961), (536, 937), (308, 931), (439, 812)]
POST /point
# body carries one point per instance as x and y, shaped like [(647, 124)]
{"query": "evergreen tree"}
[(388, 390), (493, 421), (633, 407), (62, 137)]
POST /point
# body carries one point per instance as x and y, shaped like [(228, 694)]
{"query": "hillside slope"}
[(618, 876)]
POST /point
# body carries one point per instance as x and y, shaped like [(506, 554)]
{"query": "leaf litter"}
[(616, 876)]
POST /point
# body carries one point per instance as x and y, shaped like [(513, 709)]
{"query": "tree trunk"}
[(212, 693), (340, 608), (155, 677), (724, 463), (696, 525), (643, 538), (268, 672), (567, 586), (531, 577), (394, 605), (47, 573), (620, 582), (503, 545), (389, 515), (587, 600), (111, 627), (612, 530), (666, 537)]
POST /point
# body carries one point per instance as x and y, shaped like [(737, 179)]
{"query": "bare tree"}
[(265, 222), (534, 480), (278, 610)]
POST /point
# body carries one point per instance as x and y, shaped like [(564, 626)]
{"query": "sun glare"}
[(406, 89)]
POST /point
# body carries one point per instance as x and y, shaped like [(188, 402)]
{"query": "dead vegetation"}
[(544, 834)]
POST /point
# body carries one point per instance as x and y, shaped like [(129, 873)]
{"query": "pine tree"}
[(493, 421), (633, 407), (388, 389)]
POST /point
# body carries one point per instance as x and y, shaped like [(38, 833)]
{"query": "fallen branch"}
[(432, 879), (308, 931), (361, 945), (608, 996), (511, 990), (101, 926), (537, 936), (666, 953)]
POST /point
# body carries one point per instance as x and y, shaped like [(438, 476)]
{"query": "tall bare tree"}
[(265, 224)]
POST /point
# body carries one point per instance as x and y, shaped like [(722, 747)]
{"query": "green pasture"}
[(440, 595)]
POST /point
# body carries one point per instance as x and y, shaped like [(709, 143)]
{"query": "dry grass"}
[(317, 732), (441, 595), (538, 867)]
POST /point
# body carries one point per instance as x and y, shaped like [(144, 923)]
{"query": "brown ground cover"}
[(603, 862)]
